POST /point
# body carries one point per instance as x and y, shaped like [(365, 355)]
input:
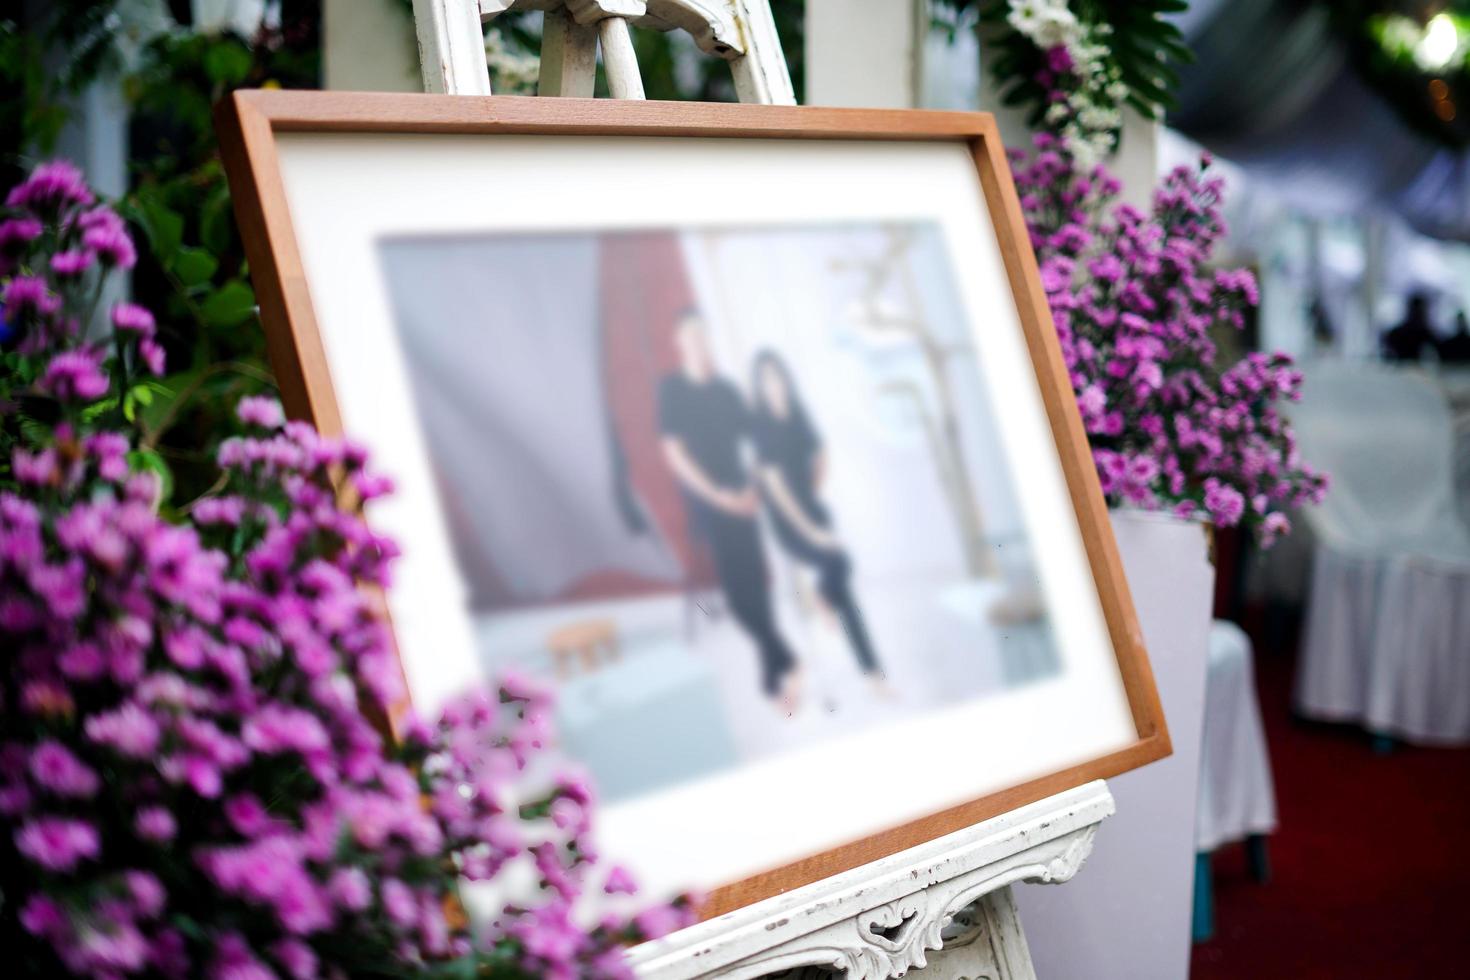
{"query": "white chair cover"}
[(1236, 796), (1341, 627), (1387, 638), (1419, 685)]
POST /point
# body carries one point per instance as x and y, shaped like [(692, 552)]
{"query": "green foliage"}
[(44, 60), (1143, 49), (193, 273)]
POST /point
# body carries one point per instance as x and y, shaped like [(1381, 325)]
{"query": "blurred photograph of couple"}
[(706, 425), (732, 491)]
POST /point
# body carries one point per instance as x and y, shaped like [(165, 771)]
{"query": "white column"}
[(369, 46), (865, 53), (1126, 916)]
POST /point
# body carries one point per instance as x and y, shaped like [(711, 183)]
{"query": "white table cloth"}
[(1236, 795)]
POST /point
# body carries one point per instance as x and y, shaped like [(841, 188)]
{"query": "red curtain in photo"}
[(643, 286)]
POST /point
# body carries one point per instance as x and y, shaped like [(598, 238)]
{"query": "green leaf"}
[(227, 63), (230, 305), (97, 410), (215, 229), (193, 266), (163, 226)]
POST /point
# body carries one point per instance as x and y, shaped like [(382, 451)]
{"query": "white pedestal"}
[(945, 905), (1128, 918)]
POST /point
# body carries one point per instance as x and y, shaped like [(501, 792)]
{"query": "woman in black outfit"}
[(790, 464)]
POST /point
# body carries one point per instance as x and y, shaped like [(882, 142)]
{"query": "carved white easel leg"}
[(761, 74), (984, 940), (451, 47), (618, 60), (568, 57)]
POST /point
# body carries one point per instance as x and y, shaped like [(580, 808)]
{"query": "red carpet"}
[(1371, 864)]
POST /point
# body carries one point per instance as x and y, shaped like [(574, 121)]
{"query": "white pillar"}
[(369, 46), (1126, 916), (865, 53)]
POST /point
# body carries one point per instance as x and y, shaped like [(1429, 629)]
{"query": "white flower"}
[(1098, 118), (1056, 27), (1084, 154), (1025, 15)]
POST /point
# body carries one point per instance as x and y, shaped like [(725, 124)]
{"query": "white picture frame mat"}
[(347, 192)]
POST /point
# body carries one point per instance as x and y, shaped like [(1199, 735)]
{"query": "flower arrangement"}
[(1076, 63), (190, 784), (1134, 303)]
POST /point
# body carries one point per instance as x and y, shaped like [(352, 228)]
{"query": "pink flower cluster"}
[(55, 247), (191, 779), (1135, 302)]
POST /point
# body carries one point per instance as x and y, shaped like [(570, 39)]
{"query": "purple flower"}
[(620, 882), (147, 893), (261, 411), (1274, 526), (37, 469), (83, 661), (660, 920), (113, 245), (1225, 503), (51, 187), (29, 296), (155, 824), (128, 729), (58, 843), (40, 916), (16, 233), (153, 356), (296, 958), (57, 770), (131, 318), (1059, 59), (398, 903), (234, 960), (1135, 300), (75, 376), (246, 814), (71, 264), (117, 947), (276, 728), (61, 587), (350, 889)]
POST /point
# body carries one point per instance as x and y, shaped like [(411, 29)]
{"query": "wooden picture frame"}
[(250, 123)]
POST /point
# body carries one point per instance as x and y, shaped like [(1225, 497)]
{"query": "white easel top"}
[(743, 32)]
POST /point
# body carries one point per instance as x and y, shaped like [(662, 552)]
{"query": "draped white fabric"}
[(1236, 796), (1388, 633), (519, 440), (1419, 679)]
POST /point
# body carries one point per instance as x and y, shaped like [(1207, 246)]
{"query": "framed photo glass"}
[(743, 427)]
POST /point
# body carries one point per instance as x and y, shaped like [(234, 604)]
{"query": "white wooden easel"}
[(452, 52), (944, 907)]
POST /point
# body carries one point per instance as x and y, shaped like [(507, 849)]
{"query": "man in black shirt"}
[(704, 422)]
